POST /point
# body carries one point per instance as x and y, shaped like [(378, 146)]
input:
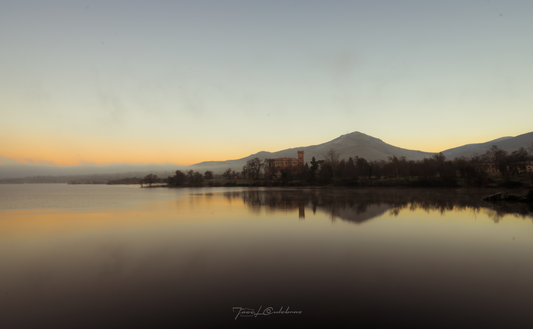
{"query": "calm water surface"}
[(93, 256)]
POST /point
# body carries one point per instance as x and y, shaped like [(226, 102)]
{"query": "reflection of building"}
[(301, 211), (281, 163)]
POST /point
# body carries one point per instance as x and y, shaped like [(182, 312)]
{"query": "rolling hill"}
[(349, 145), (509, 144)]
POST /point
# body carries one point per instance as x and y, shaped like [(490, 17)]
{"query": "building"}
[(282, 163), (517, 167), (526, 167), (488, 167)]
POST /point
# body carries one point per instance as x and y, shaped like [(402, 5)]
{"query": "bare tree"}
[(269, 168), (332, 158), (227, 174), (245, 172), (517, 161), (500, 158), (394, 163), (253, 167)]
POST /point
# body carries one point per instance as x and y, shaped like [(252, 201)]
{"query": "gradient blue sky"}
[(189, 81)]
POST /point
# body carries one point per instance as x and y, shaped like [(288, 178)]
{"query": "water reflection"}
[(187, 258), (359, 206)]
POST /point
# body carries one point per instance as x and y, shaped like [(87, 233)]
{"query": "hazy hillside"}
[(509, 144), (349, 145), (11, 169)]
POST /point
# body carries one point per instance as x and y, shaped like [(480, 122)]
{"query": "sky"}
[(181, 82)]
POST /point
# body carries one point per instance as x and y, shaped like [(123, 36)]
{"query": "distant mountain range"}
[(509, 144), (370, 148), (349, 145)]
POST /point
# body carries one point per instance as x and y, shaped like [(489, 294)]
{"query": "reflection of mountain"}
[(359, 217), (361, 205)]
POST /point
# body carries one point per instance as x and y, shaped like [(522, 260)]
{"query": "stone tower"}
[(301, 158)]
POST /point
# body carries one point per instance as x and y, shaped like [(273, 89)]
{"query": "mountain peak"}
[(355, 136), (348, 145)]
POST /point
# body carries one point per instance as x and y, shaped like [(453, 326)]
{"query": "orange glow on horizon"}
[(106, 157), (37, 148), (63, 151), (64, 161)]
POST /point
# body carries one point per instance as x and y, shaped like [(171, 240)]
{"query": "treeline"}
[(434, 171), (190, 178)]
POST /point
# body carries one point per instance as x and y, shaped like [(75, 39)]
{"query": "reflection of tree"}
[(364, 204), (360, 205), (503, 209), (230, 196)]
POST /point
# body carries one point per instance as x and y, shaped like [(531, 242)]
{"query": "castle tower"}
[(301, 158)]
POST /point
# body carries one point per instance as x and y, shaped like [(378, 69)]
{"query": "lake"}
[(99, 256)]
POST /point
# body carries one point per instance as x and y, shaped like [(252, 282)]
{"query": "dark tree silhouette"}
[(269, 168), (196, 179), (208, 175), (178, 179), (325, 173), (228, 174), (332, 158), (500, 158), (150, 179), (252, 168), (313, 170)]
